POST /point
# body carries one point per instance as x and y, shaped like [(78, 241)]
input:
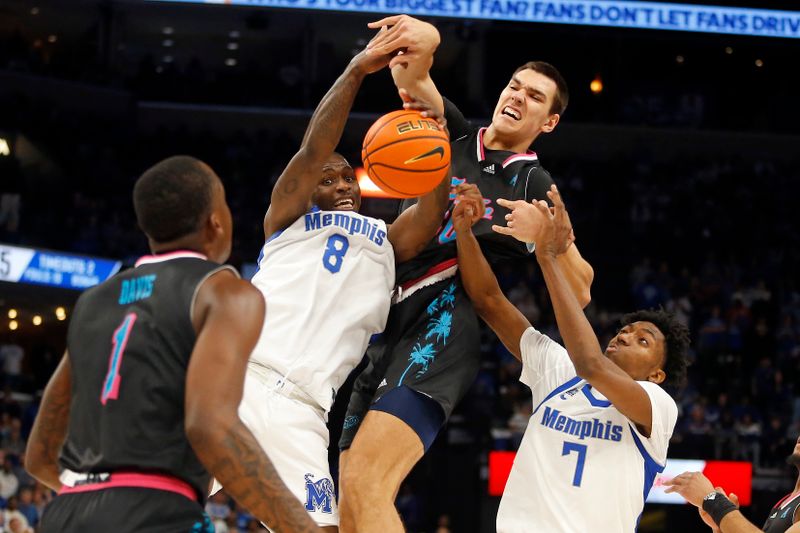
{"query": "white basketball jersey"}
[(582, 465), (327, 280)]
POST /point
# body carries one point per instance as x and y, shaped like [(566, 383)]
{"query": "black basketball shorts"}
[(124, 510), (431, 345)]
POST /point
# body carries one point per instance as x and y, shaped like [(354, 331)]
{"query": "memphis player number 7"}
[(335, 249), (570, 447)]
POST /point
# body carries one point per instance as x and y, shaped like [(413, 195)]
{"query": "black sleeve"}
[(538, 182), (456, 123)]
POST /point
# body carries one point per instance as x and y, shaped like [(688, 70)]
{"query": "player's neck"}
[(495, 141), (797, 484), (189, 243)]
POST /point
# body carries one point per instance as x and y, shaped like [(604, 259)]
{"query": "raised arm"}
[(553, 239), (417, 40), (293, 190), (522, 224), (481, 284), (50, 427), (228, 316)]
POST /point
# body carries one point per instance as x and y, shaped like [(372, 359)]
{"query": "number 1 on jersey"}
[(119, 340), (570, 447), (335, 249)]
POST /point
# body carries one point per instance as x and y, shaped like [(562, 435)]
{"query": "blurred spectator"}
[(13, 443), (26, 506), (8, 481), (748, 432), (218, 510), (443, 524), (17, 523), (11, 356)]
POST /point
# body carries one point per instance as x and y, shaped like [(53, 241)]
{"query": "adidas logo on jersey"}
[(489, 169), (383, 383)]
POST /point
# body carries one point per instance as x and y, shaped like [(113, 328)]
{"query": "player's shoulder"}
[(659, 396), (537, 344)]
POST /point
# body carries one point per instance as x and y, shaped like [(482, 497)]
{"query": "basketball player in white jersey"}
[(327, 275), (601, 422)]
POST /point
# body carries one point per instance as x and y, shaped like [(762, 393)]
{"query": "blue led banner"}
[(619, 14), (40, 267)]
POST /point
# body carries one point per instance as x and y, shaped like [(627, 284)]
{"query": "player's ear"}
[(551, 123), (214, 224), (657, 376)]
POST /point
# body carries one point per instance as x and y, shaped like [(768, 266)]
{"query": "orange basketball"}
[(406, 154)]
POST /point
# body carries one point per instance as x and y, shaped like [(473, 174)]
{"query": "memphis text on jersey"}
[(594, 428), (349, 222)]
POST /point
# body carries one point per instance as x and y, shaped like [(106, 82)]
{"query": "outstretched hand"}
[(693, 486), (405, 38), (469, 207), (370, 62), (536, 222)]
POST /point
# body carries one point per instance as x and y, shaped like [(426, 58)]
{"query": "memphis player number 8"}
[(570, 447), (335, 249)]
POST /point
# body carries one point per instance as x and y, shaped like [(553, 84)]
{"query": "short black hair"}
[(561, 99), (676, 335), (173, 197)]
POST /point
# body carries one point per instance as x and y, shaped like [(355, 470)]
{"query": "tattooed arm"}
[(228, 315), (292, 191), (50, 428)]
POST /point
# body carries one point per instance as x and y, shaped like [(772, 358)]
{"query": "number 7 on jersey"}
[(570, 447)]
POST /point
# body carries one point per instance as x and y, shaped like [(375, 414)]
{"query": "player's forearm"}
[(735, 522), (232, 455), (430, 209), (50, 428), (327, 123), (419, 85), (579, 274), (43, 468), (476, 274), (579, 338)]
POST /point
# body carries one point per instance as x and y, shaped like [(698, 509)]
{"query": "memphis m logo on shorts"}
[(319, 494)]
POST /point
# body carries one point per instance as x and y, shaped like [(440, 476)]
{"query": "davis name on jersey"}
[(327, 280)]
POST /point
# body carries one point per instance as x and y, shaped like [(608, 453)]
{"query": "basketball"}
[(406, 154)]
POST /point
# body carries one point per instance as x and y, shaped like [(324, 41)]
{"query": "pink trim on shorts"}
[(131, 479)]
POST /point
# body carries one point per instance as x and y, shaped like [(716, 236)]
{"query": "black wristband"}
[(718, 507)]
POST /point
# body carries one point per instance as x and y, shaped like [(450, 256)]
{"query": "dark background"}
[(681, 178)]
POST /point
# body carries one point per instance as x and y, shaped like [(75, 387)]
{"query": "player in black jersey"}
[(721, 513), (429, 354), (145, 398)]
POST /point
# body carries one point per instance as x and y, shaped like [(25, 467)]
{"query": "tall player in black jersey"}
[(721, 513), (144, 402), (429, 353)]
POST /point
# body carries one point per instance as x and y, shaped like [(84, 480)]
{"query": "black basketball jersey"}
[(129, 344), (498, 174), (781, 517)]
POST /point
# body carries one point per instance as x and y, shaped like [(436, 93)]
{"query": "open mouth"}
[(345, 203), (511, 112)]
